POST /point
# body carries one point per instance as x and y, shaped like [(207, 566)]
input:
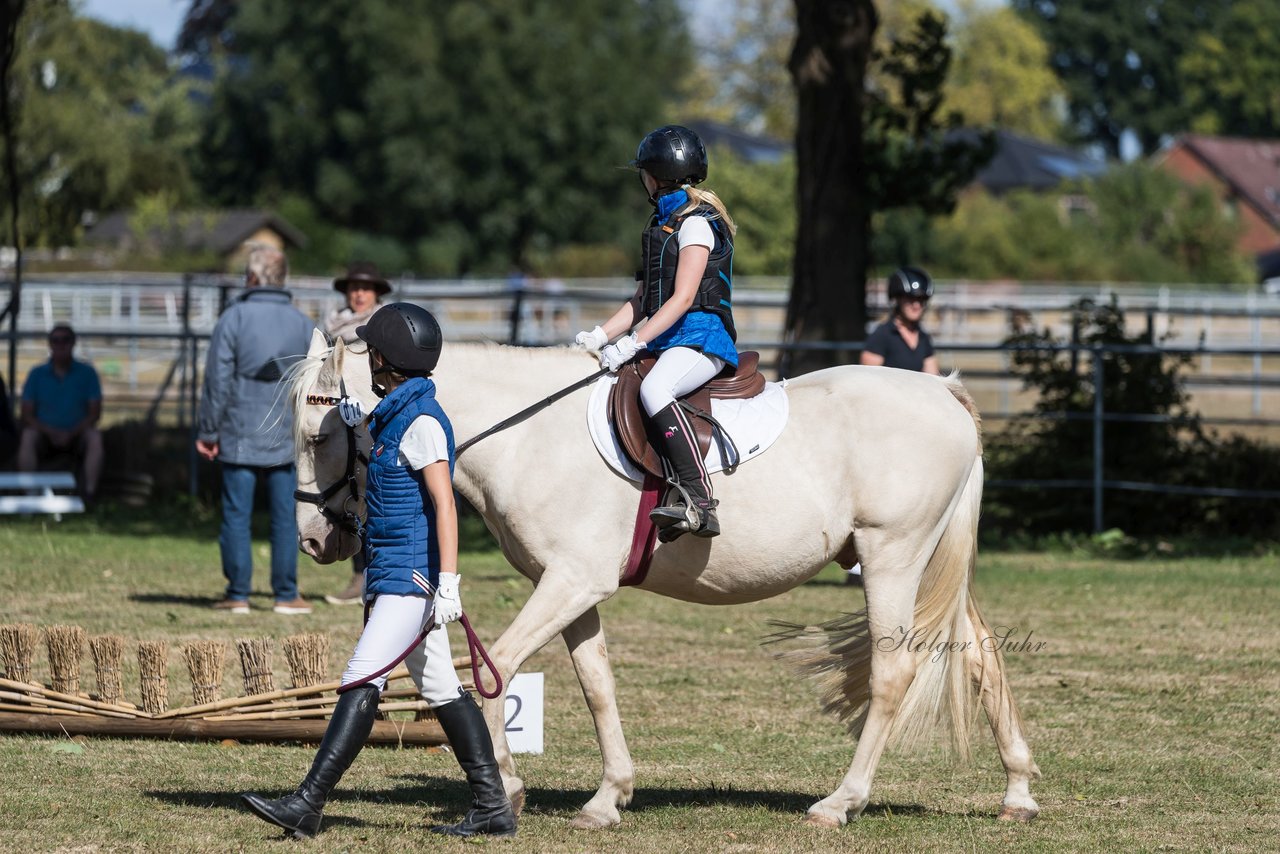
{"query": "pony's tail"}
[(942, 694), (837, 654)]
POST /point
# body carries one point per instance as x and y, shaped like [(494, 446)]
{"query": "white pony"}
[(876, 465)]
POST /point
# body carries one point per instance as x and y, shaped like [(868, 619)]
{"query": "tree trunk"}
[(11, 11), (828, 293)]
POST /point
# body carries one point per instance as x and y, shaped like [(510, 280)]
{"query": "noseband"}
[(349, 519)]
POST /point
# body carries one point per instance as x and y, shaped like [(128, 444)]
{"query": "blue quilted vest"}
[(401, 551)]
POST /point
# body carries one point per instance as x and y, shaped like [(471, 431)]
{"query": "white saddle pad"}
[(754, 423)]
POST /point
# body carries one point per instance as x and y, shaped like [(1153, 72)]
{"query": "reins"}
[(529, 411)]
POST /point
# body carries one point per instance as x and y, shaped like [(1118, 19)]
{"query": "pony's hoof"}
[(517, 801), (1022, 814), (814, 819), (589, 821)]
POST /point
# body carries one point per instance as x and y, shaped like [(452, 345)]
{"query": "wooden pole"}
[(324, 711), (403, 733), (40, 690), (58, 704), (260, 699), (44, 710)]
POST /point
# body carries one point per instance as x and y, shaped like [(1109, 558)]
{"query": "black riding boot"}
[(347, 732), (490, 812), (687, 473)]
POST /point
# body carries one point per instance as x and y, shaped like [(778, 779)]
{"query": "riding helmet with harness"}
[(408, 338), (672, 153)]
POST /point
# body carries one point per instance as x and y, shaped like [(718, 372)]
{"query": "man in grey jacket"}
[(245, 424)]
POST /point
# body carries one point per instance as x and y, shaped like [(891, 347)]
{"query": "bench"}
[(36, 493)]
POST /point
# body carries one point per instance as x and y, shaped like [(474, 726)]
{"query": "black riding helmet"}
[(407, 336), (910, 282), (672, 153)]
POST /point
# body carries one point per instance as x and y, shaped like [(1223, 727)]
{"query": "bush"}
[(1177, 452)]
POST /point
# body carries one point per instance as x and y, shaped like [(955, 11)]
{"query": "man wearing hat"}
[(364, 288)]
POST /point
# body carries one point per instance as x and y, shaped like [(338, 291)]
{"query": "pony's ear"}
[(331, 371), (319, 343)]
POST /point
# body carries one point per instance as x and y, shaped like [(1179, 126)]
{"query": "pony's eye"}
[(318, 439)]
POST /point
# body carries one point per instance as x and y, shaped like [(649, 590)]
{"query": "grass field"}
[(1151, 709)]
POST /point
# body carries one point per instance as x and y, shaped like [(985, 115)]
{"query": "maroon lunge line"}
[(473, 646)]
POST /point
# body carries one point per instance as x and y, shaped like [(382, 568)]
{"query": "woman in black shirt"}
[(900, 342)]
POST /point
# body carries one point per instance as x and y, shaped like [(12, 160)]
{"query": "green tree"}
[(1119, 62), (479, 133), (1001, 76), (1146, 212), (1232, 73), (1145, 225), (859, 153), (761, 201), (740, 77), (101, 122)]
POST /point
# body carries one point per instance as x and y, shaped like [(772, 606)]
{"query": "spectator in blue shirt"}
[(61, 405)]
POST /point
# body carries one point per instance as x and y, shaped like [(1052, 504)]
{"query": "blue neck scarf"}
[(669, 203)]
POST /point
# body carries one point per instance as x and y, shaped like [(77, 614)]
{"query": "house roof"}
[(220, 231), (1250, 167), (1021, 162)]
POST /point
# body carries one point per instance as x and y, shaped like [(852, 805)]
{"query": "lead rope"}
[(473, 646)]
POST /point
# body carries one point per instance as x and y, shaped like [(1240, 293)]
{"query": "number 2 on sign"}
[(515, 712), (523, 713)]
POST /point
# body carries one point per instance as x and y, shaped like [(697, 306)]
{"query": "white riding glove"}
[(619, 353), (593, 340), (448, 600), (351, 411)]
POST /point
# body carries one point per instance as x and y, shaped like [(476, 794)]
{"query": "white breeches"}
[(678, 371), (394, 621)]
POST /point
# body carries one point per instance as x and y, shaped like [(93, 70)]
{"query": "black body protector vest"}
[(660, 251)]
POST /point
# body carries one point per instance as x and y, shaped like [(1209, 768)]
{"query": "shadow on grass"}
[(442, 797), (174, 599)]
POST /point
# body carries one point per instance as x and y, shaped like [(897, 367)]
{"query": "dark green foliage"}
[(475, 134), (908, 161), (1231, 72), (1178, 451), (1119, 62)]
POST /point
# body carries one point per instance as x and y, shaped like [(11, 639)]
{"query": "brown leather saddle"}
[(631, 425)]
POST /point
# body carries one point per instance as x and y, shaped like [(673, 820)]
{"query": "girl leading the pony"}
[(684, 297)]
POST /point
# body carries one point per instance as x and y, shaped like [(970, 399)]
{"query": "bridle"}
[(349, 519)]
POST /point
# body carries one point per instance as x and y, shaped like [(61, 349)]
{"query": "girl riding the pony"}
[(684, 297)]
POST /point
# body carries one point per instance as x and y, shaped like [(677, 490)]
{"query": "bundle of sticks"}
[(264, 713)]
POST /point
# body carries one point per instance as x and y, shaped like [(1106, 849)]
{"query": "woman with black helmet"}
[(901, 342), (685, 299), (411, 579)]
